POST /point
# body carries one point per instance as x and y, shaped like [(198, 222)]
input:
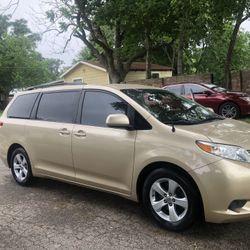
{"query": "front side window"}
[(169, 108), (58, 106), (22, 106), (98, 106), (196, 89)]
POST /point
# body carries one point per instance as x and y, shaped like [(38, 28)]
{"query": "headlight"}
[(231, 152), (247, 98)]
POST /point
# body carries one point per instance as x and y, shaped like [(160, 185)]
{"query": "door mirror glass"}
[(117, 121)]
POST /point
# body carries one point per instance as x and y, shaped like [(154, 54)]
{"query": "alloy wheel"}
[(168, 200), (229, 111), (20, 167)]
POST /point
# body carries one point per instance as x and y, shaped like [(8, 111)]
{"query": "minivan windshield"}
[(170, 108)]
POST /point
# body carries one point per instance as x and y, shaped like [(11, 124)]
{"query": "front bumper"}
[(220, 184)]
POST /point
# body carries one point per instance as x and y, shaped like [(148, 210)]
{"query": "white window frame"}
[(155, 72)]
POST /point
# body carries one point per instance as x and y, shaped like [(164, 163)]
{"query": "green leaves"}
[(20, 64), (172, 32)]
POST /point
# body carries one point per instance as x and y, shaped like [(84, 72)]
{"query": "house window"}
[(155, 75), (77, 80)]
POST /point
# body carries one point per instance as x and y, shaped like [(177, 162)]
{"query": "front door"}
[(200, 95), (103, 156)]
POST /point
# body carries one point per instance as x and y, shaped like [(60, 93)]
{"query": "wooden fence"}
[(160, 82), (240, 80)]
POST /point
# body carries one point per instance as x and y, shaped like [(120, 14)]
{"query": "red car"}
[(225, 103)]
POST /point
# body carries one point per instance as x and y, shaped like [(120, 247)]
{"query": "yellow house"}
[(91, 72)]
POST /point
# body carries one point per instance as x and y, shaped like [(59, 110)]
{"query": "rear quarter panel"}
[(12, 132)]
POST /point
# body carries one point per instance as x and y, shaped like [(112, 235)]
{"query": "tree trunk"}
[(115, 76), (180, 52), (228, 62), (4, 102), (148, 47)]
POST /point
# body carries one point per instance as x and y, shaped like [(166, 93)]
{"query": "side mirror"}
[(118, 121), (207, 92)]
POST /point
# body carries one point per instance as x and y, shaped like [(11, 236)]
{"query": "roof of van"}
[(69, 86)]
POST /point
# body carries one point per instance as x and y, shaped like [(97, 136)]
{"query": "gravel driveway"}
[(54, 215)]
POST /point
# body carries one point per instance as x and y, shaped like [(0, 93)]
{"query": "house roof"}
[(136, 66)]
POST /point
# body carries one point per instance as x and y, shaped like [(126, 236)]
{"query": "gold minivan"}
[(179, 159)]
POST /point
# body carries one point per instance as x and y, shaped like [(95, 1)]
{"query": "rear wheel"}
[(229, 110), (171, 199), (20, 167)]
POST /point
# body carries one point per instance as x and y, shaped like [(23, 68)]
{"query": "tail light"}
[(1, 124)]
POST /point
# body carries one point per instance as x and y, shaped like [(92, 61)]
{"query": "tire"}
[(229, 110), (175, 207), (21, 167)]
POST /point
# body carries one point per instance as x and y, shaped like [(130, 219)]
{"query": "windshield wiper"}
[(180, 122), (188, 122)]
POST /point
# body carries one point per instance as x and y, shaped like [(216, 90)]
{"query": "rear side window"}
[(99, 105), (58, 106), (177, 89), (22, 106)]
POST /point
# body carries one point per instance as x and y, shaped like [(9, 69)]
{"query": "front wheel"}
[(170, 199), (20, 167), (229, 110)]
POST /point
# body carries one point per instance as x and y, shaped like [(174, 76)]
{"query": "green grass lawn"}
[(246, 120)]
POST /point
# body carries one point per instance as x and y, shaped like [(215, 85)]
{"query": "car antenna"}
[(173, 127), (172, 124)]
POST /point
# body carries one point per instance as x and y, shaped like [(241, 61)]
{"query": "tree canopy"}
[(20, 64), (193, 36), (174, 32)]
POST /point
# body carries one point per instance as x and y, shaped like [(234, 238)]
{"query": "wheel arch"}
[(156, 165), (11, 149)]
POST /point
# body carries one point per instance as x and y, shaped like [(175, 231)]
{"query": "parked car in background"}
[(225, 103), (180, 160)]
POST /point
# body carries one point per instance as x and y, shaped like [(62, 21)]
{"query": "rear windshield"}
[(22, 106)]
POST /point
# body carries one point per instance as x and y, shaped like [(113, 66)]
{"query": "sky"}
[(51, 45)]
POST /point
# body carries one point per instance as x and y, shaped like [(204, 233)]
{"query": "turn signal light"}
[(204, 146)]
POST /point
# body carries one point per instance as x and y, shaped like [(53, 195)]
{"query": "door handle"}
[(80, 133), (64, 131)]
